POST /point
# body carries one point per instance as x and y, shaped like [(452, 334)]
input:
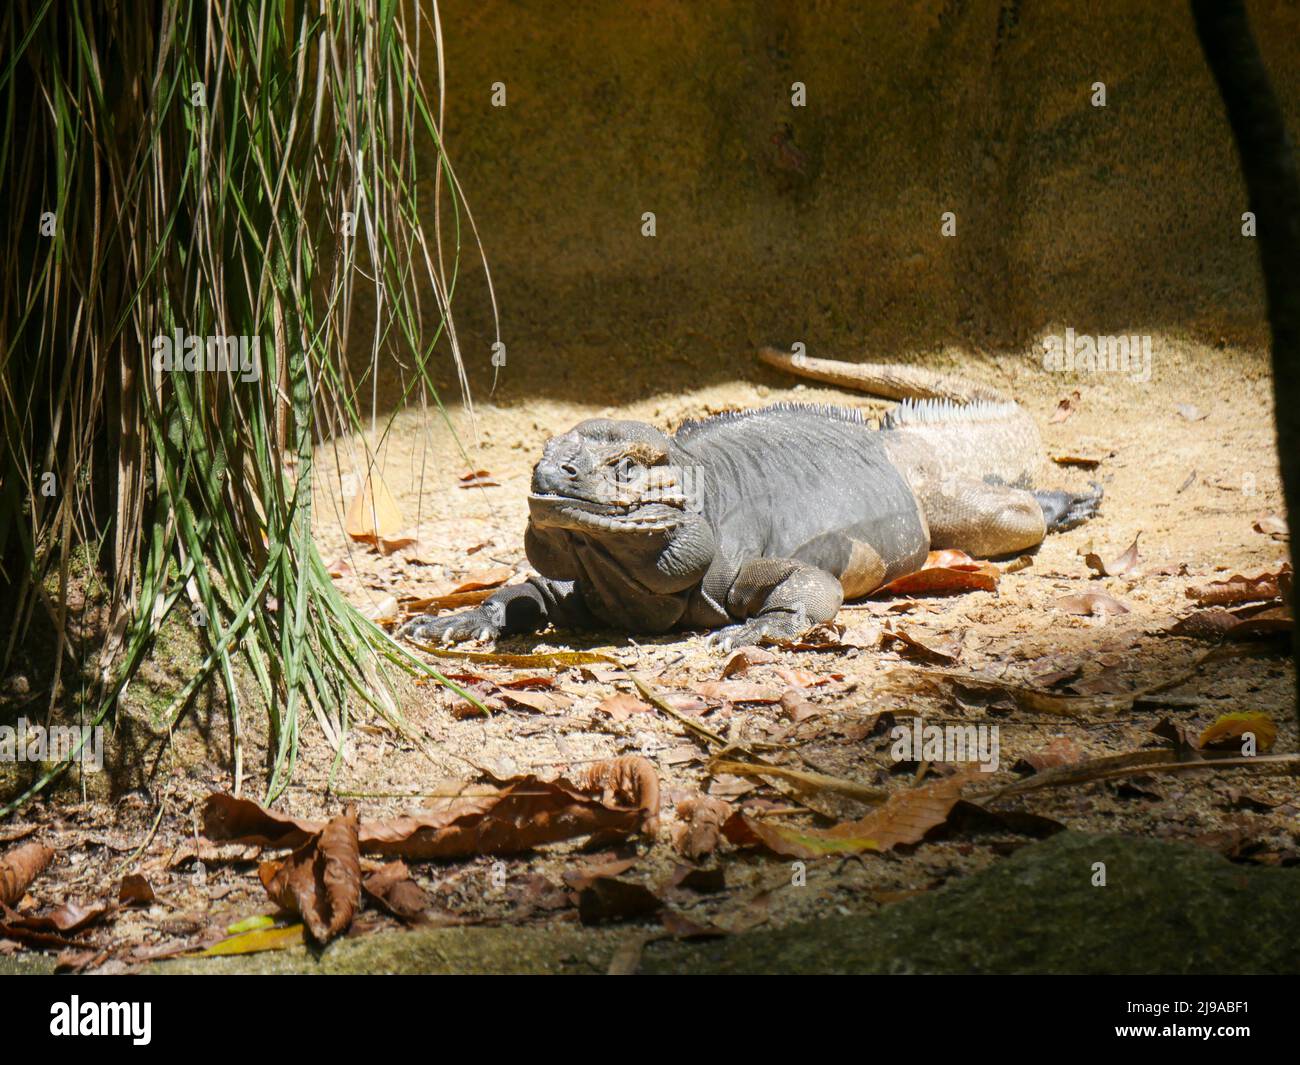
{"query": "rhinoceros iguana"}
[(760, 523)]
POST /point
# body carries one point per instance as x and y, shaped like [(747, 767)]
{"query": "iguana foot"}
[(475, 624), (765, 628), (1065, 510)]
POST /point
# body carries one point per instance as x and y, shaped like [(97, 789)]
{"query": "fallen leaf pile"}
[(18, 869), (321, 880), (1240, 608)]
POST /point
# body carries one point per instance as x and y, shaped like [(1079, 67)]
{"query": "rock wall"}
[(823, 223)]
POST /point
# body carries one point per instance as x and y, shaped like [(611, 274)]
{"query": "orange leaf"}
[(1228, 730), (373, 513), (947, 572), (905, 818), (19, 868)]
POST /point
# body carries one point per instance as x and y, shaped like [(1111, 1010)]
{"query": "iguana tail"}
[(944, 425), (888, 380)]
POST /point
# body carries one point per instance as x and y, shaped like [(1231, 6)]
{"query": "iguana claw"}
[(1065, 510), (456, 628), (766, 628)]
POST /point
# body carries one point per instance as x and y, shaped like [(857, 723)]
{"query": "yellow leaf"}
[(256, 941), (251, 924), (1229, 728)]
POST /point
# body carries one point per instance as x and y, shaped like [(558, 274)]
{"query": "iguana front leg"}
[(781, 598), (518, 608)]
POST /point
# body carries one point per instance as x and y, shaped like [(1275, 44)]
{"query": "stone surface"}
[(1165, 908)]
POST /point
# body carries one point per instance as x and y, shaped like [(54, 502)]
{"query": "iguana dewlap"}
[(761, 523)]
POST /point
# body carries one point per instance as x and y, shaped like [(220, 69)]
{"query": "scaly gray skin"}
[(760, 523)]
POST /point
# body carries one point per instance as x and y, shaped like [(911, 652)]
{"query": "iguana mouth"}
[(572, 512)]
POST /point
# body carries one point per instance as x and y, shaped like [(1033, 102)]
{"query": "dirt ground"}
[(1188, 469)]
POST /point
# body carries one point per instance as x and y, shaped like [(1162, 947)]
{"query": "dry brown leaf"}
[(321, 880), (606, 899), (19, 867), (468, 590), (943, 650), (904, 819), (621, 706), (10, 933), (1244, 623), (135, 890), (1272, 525), (737, 691), (391, 888), (487, 577), (1060, 751), (68, 919), (707, 881), (1126, 563), (796, 706), (383, 612), (1239, 589), (1096, 604), (803, 678), (452, 601), (700, 830), (1066, 407), (541, 702), (477, 479), (745, 658), (539, 681), (586, 874), (389, 544), (228, 819), (679, 926), (1083, 462)]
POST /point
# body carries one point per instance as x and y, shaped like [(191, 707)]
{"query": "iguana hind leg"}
[(986, 520), (780, 598)]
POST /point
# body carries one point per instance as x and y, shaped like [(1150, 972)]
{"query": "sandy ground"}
[(1188, 470)]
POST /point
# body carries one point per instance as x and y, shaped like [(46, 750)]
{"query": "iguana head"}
[(605, 477)]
